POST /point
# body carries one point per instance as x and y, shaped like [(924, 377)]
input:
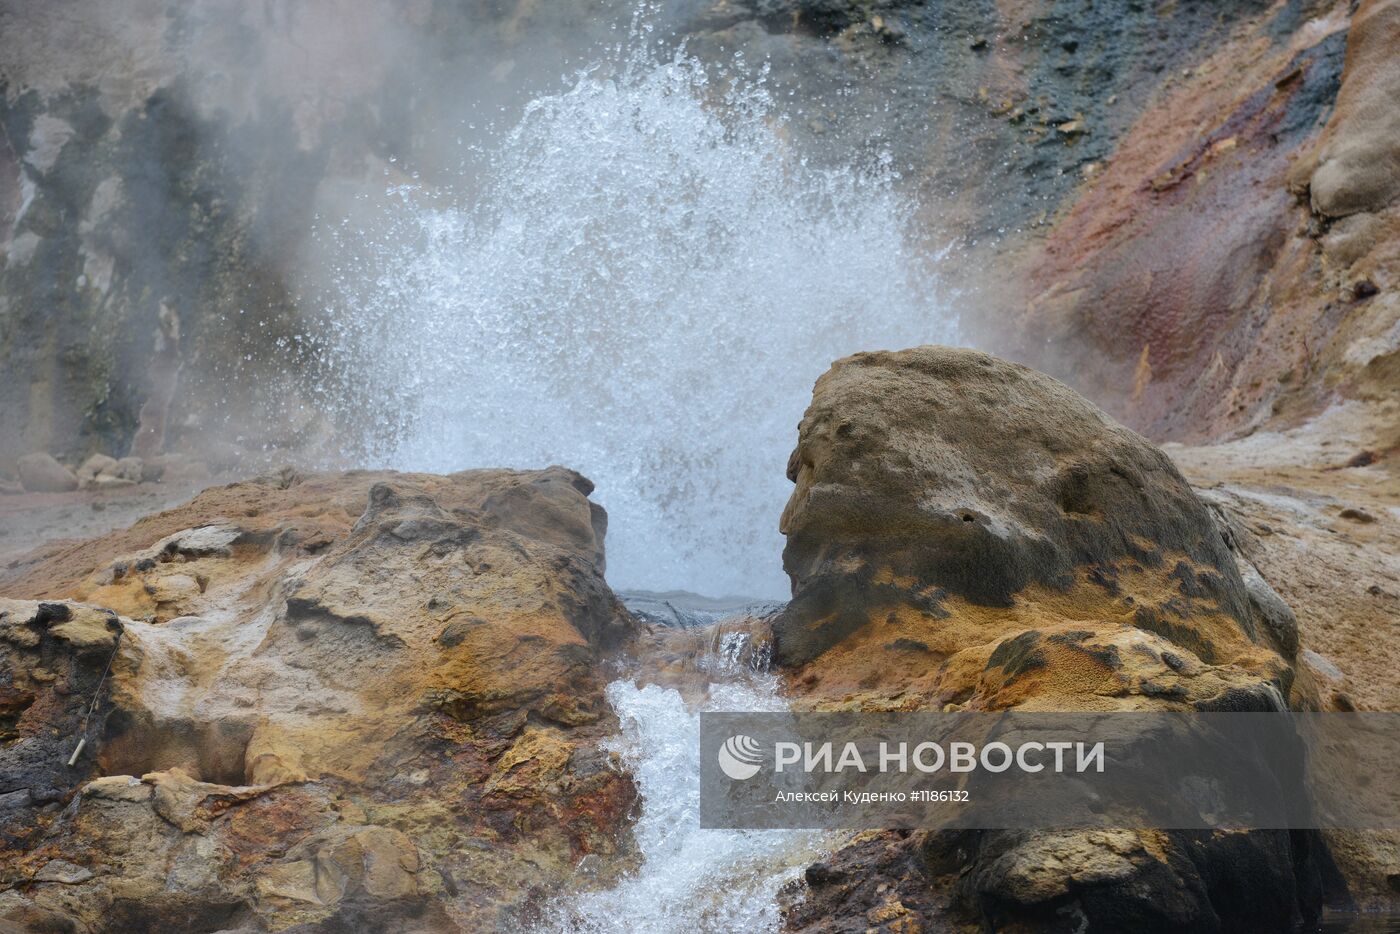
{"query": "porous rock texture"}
[(966, 533), (366, 701), (944, 492)]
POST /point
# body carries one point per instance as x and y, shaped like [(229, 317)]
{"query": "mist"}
[(641, 281), (438, 238)]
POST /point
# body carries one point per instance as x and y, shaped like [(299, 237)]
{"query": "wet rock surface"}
[(338, 700), (968, 534), (688, 610), (375, 699)]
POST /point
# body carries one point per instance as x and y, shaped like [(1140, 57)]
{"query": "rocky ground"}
[(374, 699), (368, 699), (29, 521), (1322, 522)]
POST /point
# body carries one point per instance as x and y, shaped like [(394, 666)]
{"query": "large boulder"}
[(337, 700), (1356, 166), (966, 533), (949, 499), (41, 473)]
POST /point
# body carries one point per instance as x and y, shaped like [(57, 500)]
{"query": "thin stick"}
[(96, 695)]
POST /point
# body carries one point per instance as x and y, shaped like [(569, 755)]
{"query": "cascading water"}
[(691, 880), (643, 284)]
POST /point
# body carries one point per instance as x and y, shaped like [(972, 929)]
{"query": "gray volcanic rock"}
[(40, 473)]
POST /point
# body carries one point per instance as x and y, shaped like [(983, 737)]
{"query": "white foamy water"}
[(643, 285), (691, 881)]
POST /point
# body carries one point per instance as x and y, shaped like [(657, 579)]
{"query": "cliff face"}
[(161, 170), (1232, 262)]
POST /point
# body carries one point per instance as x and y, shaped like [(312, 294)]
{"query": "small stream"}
[(690, 880), (696, 881)]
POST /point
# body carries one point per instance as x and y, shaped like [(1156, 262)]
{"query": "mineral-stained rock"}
[(40, 473), (286, 737), (1233, 264), (968, 532), (949, 495)]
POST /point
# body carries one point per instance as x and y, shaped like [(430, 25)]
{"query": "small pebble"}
[(1357, 515)]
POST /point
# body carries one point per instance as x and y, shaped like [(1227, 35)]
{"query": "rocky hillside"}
[(1232, 263), (1187, 202)]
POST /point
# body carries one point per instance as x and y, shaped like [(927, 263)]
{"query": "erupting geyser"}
[(643, 285)]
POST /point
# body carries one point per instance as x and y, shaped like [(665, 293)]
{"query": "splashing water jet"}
[(643, 285)]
